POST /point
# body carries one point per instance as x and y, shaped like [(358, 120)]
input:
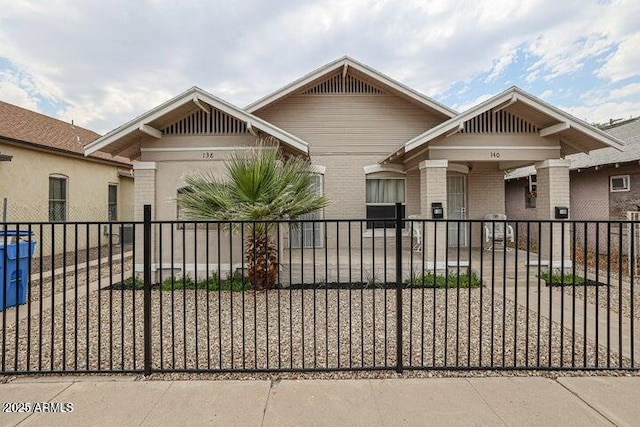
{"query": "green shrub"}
[(429, 280), (131, 282), (559, 279), (235, 283)]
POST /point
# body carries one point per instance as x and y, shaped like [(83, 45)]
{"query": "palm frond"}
[(258, 186)]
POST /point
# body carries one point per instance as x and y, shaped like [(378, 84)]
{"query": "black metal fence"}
[(318, 295)]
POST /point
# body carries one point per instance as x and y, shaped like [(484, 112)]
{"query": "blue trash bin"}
[(14, 266)]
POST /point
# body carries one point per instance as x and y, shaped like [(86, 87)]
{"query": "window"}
[(619, 183), (57, 199), (381, 197), (310, 234), (113, 202)]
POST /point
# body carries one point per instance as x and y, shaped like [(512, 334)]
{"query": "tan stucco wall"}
[(25, 183)]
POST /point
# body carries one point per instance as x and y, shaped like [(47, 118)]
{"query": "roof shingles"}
[(22, 125)]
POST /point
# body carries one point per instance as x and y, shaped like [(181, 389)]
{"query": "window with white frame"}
[(381, 198), (310, 234), (619, 183), (57, 198)]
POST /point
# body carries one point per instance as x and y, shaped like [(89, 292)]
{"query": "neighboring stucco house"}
[(605, 183), (372, 140), (48, 178)]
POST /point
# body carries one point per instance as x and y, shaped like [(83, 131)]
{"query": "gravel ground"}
[(609, 297), (71, 281), (347, 329), (61, 259)]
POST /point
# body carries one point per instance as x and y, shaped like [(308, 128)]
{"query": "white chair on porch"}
[(497, 232), (416, 232)]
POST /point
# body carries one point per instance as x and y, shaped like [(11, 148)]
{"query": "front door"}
[(457, 209)]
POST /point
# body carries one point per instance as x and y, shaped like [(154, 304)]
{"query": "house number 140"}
[(495, 155)]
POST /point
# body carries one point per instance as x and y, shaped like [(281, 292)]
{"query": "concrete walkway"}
[(122, 401)]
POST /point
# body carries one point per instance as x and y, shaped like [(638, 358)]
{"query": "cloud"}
[(14, 94), (624, 62), (601, 113), (103, 63), (464, 107), (629, 90)]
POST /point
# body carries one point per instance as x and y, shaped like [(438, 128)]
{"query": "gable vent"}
[(342, 85), (500, 122), (201, 123)]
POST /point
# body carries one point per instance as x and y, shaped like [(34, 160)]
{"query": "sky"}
[(103, 63)]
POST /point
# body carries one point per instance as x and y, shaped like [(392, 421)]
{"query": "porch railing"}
[(205, 296)]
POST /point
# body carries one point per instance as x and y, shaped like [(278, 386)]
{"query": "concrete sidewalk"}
[(500, 401)]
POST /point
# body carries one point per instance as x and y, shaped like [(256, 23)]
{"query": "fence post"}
[(399, 323), (147, 288)]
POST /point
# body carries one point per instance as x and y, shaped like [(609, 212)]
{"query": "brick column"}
[(433, 189), (144, 193), (553, 190), (485, 195)]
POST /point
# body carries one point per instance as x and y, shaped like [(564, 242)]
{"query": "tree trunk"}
[(262, 261)]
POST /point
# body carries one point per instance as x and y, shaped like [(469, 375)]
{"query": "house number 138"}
[(495, 155)]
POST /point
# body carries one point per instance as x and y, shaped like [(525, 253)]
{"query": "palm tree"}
[(260, 187)]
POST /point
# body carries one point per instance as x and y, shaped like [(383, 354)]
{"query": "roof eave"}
[(349, 62), (194, 94), (511, 95)]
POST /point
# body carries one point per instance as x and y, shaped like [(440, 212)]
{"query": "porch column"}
[(433, 189), (144, 193), (553, 191)]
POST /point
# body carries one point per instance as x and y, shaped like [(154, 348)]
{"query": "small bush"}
[(560, 279), (130, 282), (214, 283), (429, 280)]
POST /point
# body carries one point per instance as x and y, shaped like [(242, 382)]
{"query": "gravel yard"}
[(616, 297), (70, 280), (296, 330)]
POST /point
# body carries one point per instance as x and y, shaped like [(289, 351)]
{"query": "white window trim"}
[(626, 180)]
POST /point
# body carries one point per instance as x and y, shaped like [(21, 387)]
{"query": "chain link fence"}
[(54, 239)]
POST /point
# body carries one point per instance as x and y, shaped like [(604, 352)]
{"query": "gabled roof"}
[(345, 63), (576, 134), (27, 128), (628, 132), (126, 138)]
